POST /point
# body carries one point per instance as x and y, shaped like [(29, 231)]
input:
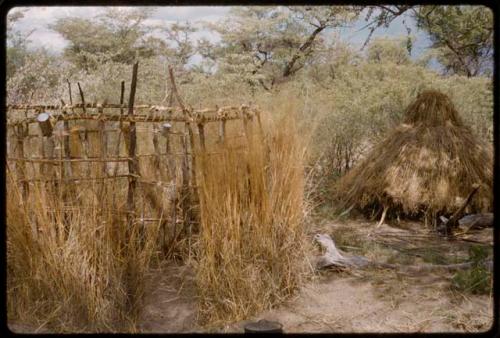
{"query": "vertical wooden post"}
[(67, 150), (85, 138), (156, 160), (171, 163), (202, 158), (193, 157), (103, 146), (69, 91), (74, 166), (222, 132), (117, 150), (20, 134), (186, 196), (51, 173), (187, 114), (103, 141), (201, 132), (259, 122), (248, 129), (82, 97), (47, 142), (245, 116), (132, 162)]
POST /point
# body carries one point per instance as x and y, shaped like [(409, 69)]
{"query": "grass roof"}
[(428, 163)]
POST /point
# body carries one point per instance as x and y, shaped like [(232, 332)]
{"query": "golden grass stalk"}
[(74, 266), (251, 242)]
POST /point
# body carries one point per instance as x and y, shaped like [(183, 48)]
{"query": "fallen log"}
[(334, 258), (476, 221)]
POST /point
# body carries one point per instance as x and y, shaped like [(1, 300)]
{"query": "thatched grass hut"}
[(426, 166)]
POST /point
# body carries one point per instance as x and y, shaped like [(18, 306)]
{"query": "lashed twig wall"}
[(147, 149)]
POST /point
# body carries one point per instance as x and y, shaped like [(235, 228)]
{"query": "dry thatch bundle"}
[(427, 165)]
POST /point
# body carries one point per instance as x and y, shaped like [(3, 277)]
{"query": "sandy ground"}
[(334, 301), (170, 305), (373, 300)]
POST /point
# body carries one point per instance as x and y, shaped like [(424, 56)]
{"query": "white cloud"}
[(48, 39), (191, 13), (37, 19)]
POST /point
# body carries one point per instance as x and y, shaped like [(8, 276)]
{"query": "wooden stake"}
[(103, 142), (67, 149), (201, 132), (382, 219), (132, 163), (187, 125), (117, 151), (85, 140), (82, 97), (69, 90), (166, 130), (222, 131), (45, 124), (20, 134)]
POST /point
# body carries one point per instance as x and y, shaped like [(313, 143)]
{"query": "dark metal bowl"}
[(264, 326)]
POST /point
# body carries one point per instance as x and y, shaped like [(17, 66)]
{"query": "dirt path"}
[(349, 304), (337, 302), (170, 304), (361, 301)]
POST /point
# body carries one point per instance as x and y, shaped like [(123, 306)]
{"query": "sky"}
[(37, 19)]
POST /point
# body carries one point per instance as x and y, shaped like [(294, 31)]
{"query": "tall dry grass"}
[(251, 249), (74, 266)]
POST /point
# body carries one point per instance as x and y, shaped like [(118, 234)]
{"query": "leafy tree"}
[(37, 79), (17, 42), (116, 35), (463, 36), (388, 50), (267, 45)]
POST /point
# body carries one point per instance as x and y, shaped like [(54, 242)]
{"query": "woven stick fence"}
[(80, 143)]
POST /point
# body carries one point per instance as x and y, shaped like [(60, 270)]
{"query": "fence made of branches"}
[(141, 155)]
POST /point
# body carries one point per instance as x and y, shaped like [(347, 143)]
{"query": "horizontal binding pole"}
[(129, 118), (150, 219), (220, 110), (157, 183), (196, 116), (92, 159), (75, 179)]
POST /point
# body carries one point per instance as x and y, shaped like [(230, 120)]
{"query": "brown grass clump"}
[(251, 245), (74, 266), (426, 165)]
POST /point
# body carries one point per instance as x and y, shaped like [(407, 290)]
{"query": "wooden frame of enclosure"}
[(54, 134)]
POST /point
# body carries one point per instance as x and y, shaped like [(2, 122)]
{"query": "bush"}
[(477, 280)]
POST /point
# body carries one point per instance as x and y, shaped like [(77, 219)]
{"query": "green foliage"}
[(388, 50), (478, 279), (39, 78), (267, 44), (346, 100), (17, 41), (462, 35), (117, 35)]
